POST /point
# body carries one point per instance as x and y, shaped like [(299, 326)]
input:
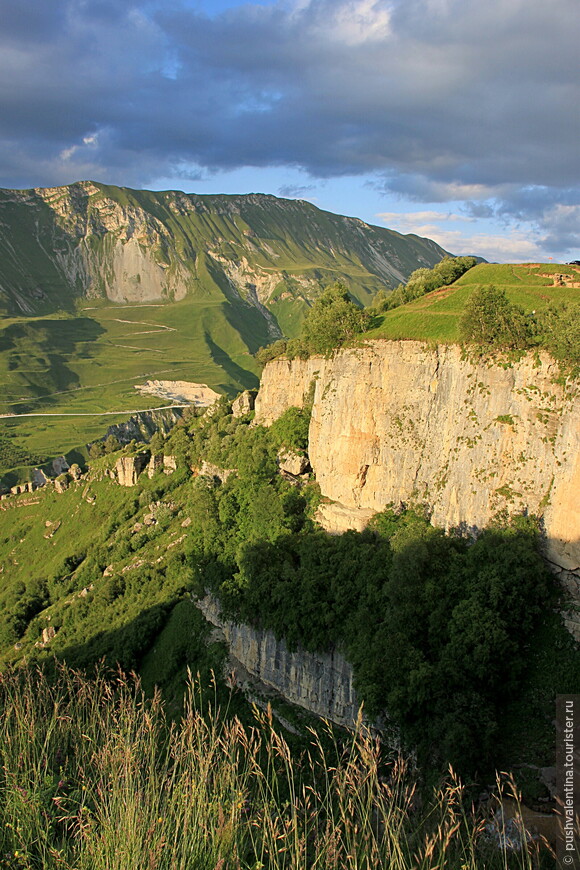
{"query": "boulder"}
[(217, 474), (169, 464), (292, 463), (59, 465), (39, 478), (61, 483), (48, 634), (75, 471), (244, 403)]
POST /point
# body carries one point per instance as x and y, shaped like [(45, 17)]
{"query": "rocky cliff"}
[(396, 422), (321, 683)]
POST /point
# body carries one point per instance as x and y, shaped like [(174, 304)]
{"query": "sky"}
[(453, 119)]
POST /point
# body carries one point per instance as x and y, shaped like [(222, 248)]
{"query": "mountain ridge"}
[(93, 240)]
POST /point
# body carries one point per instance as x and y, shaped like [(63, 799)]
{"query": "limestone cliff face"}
[(321, 683), (395, 422)]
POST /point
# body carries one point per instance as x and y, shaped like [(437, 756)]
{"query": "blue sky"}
[(454, 119)]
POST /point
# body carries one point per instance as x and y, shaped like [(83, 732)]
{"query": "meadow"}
[(93, 776), (436, 316), (89, 363)]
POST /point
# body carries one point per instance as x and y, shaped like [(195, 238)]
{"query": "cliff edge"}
[(397, 422)]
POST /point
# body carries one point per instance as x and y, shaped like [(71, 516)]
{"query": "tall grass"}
[(93, 777)]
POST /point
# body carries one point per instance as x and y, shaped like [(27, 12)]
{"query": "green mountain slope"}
[(58, 245), (103, 288)]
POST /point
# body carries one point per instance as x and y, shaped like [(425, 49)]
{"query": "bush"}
[(291, 429), (333, 320), (559, 329), (423, 281)]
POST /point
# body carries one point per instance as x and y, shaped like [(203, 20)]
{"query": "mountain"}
[(105, 563), (104, 290), (88, 240)]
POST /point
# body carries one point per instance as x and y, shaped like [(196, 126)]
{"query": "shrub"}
[(291, 429), (559, 329)]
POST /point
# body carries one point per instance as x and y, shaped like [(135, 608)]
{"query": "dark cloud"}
[(442, 99)]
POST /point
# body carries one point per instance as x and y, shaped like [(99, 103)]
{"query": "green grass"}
[(436, 316), (90, 363), (94, 778)]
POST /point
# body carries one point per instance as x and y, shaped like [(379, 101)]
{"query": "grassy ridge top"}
[(436, 316)]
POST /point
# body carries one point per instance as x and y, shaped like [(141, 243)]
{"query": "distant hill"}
[(88, 240), (436, 315)]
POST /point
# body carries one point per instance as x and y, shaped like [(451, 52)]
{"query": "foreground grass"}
[(92, 776)]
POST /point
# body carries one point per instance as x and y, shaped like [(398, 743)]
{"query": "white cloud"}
[(413, 219), (513, 245)]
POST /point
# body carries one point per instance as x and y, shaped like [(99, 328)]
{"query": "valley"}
[(387, 515)]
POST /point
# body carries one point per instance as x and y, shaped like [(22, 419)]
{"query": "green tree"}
[(157, 443), (559, 328), (333, 320), (111, 444), (291, 429), (422, 281), (491, 321)]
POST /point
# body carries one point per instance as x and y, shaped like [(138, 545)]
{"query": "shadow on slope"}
[(36, 356)]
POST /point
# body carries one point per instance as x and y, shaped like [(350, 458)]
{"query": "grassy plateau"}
[(436, 316)]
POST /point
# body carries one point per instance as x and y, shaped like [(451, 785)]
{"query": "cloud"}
[(410, 221), (296, 191), (446, 229), (440, 100)]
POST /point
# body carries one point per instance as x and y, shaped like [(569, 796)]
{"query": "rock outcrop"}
[(128, 468), (143, 425), (321, 683), (214, 472), (290, 462), (397, 422), (244, 403)]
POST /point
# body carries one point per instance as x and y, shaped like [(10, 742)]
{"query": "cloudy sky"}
[(454, 119)]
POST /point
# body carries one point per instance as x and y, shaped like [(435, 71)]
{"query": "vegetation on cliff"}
[(534, 287), (333, 321), (407, 603), (492, 323), (529, 309), (423, 281)]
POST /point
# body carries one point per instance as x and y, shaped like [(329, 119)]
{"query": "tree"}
[(111, 444), (422, 281), (490, 320), (333, 320), (559, 328)]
